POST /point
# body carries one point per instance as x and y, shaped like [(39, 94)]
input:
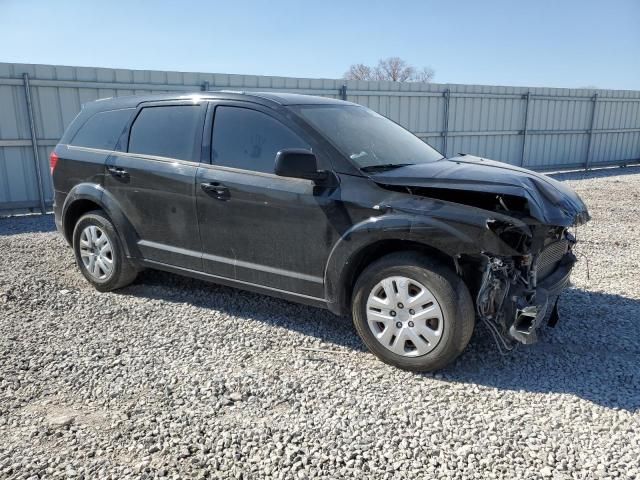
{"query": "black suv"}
[(317, 201)]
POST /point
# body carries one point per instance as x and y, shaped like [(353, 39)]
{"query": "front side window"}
[(371, 141), (170, 131), (103, 129), (249, 140)]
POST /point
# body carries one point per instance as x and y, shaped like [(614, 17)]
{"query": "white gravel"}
[(179, 378)]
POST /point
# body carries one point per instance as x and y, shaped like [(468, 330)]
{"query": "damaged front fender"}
[(453, 230), (475, 229)]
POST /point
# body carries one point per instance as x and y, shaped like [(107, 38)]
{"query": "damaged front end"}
[(517, 294), (515, 249)]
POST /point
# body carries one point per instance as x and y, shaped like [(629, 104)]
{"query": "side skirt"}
[(252, 287)]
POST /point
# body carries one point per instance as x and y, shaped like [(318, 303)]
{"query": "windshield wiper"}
[(383, 167)]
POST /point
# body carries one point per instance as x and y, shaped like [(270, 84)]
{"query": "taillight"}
[(53, 161)]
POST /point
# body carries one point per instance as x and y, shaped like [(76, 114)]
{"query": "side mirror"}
[(298, 163)]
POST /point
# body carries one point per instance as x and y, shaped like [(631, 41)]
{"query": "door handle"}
[(117, 171), (216, 190)]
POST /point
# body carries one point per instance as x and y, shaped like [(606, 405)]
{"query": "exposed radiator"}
[(550, 256)]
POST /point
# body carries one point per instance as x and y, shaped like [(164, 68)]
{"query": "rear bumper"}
[(58, 202), (59, 224)]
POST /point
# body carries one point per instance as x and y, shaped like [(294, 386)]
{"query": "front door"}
[(153, 181), (257, 227)]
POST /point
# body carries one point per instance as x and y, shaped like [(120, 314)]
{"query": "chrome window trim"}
[(135, 155), (208, 166), (251, 172)]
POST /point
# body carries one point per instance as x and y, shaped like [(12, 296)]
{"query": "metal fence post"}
[(445, 127), (594, 99), (34, 142), (527, 97), (343, 92)]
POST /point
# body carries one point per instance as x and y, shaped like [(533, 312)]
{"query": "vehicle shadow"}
[(315, 322), (593, 353), (598, 173), (26, 224)]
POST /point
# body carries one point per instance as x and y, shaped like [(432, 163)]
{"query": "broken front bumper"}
[(543, 305), (518, 294)]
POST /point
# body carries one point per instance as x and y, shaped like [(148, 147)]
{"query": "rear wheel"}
[(413, 312), (99, 253)]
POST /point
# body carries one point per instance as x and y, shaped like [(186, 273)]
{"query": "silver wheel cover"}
[(96, 252), (404, 316)]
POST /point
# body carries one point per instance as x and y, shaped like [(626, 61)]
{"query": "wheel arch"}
[(340, 282), (365, 256), (86, 197)]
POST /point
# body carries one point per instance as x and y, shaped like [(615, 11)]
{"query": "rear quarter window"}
[(103, 129)]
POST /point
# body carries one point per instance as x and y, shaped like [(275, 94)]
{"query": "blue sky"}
[(537, 43)]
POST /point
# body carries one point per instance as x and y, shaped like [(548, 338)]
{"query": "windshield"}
[(370, 140)]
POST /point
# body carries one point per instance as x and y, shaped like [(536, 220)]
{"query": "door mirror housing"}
[(298, 163)]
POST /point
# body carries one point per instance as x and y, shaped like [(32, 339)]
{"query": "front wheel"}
[(413, 312)]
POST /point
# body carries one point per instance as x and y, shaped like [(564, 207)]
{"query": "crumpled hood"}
[(550, 201)]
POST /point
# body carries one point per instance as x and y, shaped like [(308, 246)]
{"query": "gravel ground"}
[(179, 378)]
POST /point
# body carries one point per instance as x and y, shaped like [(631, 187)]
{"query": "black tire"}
[(450, 293), (123, 271)]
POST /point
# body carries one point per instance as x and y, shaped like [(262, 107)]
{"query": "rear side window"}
[(249, 139), (170, 131), (103, 129)]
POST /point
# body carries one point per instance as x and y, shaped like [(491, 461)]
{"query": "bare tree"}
[(425, 75), (359, 71), (392, 69)]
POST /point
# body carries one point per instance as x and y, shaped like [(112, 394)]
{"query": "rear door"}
[(257, 227), (153, 180)]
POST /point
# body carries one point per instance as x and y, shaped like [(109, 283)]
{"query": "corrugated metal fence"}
[(539, 128)]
